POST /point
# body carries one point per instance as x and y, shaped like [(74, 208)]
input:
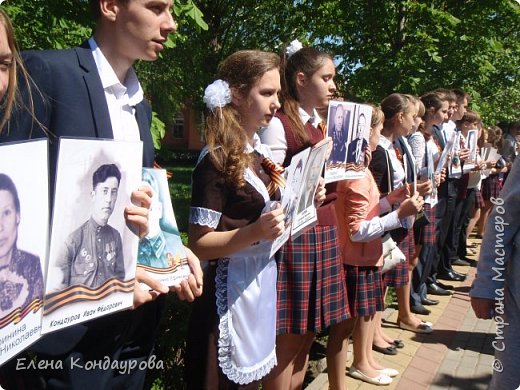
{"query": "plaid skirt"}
[(311, 283), (426, 234), (479, 200), (365, 290), (491, 187), (398, 276)]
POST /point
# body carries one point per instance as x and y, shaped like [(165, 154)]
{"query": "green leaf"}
[(158, 129)]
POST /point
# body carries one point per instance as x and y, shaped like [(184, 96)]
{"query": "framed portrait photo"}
[(93, 252), (24, 210)]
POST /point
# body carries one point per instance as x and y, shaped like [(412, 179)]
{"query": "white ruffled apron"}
[(246, 305)]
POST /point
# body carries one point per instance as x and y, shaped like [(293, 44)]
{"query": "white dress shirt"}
[(121, 98), (274, 134), (398, 169)]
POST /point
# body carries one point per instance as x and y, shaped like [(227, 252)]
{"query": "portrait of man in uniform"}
[(356, 148), (93, 253)]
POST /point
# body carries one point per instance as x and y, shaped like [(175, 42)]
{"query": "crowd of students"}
[(330, 277), (258, 314)]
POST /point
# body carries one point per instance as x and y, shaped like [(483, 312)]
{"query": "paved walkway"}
[(457, 355)]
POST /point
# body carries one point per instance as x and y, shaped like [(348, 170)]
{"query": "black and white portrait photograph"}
[(472, 145), (93, 253), (357, 147), (161, 252), (306, 214), (290, 198), (24, 220), (339, 124)]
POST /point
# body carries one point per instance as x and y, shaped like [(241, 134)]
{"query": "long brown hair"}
[(434, 100), (12, 98), (225, 137), (307, 60), (393, 104)]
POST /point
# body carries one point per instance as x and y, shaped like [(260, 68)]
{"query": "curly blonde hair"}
[(225, 136)]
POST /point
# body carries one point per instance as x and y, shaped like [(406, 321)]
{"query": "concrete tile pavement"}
[(457, 355)]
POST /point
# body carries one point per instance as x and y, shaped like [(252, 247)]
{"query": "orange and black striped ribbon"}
[(168, 173), (323, 127), (275, 172)]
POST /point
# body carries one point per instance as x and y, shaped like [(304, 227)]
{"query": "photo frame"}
[(93, 252), (161, 252), (349, 128), (24, 203)]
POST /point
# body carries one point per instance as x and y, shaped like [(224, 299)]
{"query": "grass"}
[(180, 190), (171, 343)]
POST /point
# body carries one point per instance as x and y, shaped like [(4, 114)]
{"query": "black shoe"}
[(429, 302), (461, 262), (391, 350), (435, 289), (444, 286), (458, 274), (398, 343), (420, 309), (452, 276)]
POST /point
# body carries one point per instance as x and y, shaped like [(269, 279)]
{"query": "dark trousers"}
[(452, 239), (420, 274), (443, 214), (467, 211)]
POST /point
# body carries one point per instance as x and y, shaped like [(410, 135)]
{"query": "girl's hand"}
[(319, 196), (270, 225), (410, 206), (437, 178), (443, 175), (424, 187), (397, 196), (464, 154)]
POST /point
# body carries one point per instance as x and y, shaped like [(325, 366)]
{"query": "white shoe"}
[(391, 372), (424, 327), (380, 380)]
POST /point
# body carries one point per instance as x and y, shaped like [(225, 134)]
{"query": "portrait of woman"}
[(21, 279)]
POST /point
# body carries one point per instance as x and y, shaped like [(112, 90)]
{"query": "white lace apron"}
[(246, 305), (246, 302)]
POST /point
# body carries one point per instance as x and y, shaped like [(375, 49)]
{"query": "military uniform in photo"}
[(92, 254)]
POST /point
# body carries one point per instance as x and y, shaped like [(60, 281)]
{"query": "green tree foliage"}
[(58, 24), (415, 46), (381, 45)]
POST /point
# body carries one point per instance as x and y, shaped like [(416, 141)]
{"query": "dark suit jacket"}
[(351, 151), (69, 101)]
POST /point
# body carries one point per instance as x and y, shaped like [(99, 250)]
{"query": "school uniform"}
[(391, 172), (311, 285)]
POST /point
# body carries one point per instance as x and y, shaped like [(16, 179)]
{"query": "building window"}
[(201, 123), (178, 126)]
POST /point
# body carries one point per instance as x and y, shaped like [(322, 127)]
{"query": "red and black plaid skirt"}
[(365, 290), (491, 187), (479, 200), (426, 234), (398, 276), (311, 283)]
